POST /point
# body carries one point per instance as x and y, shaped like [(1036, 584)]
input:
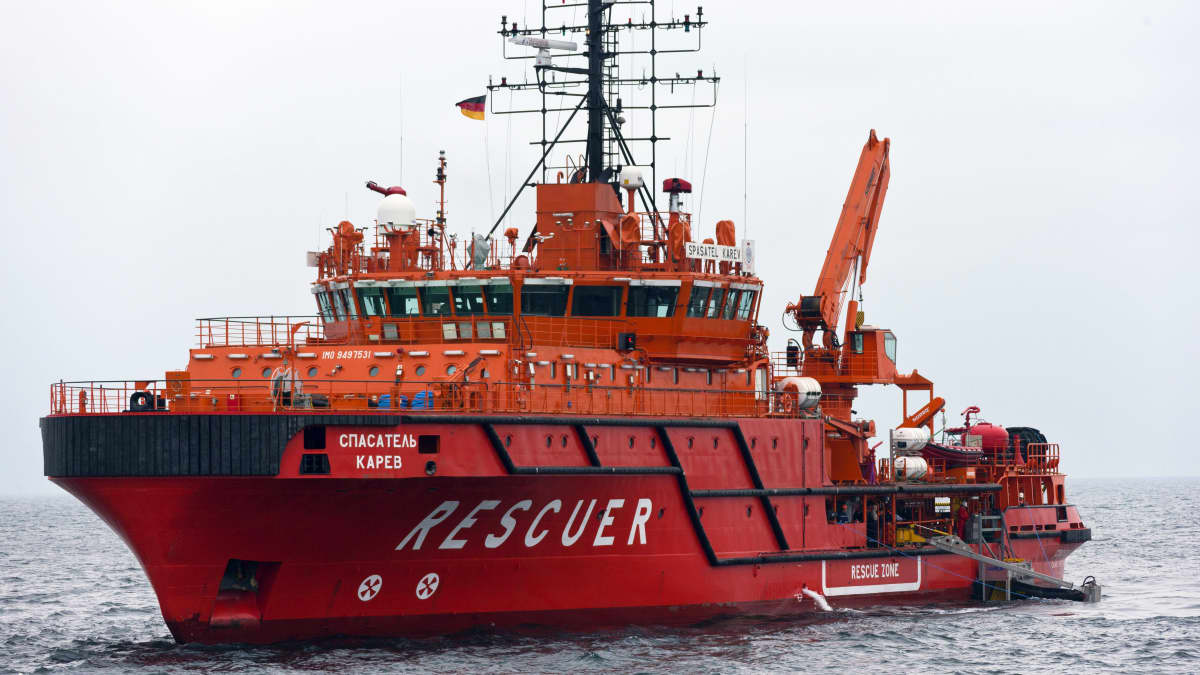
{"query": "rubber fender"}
[(141, 401)]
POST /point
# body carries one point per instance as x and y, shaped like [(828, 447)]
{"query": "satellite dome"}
[(396, 210)]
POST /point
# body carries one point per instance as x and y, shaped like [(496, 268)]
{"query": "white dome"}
[(631, 178), (396, 211)]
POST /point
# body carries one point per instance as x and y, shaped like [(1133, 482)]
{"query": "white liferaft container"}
[(910, 468), (908, 440), (806, 390)]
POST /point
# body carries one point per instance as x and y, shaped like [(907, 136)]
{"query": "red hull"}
[(320, 542)]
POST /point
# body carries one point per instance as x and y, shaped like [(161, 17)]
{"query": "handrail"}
[(185, 395), (258, 331)]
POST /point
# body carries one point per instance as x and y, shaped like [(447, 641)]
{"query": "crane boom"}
[(851, 244)]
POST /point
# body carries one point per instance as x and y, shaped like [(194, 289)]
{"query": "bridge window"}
[(746, 304), (731, 304), (698, 301), (323, 305), (468, 299), (597, 301), (656, 301), (339, 309), (499, 298), (403, 301), (544, 300), (348, 303), (714, 302), (435, 301), (371, 301)]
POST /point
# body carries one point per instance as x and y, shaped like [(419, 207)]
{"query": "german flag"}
[(472, 107)]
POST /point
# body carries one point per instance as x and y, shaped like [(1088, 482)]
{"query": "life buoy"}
[(141, 401), (789, 400)]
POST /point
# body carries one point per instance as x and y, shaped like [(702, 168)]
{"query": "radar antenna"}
[(615, 31)]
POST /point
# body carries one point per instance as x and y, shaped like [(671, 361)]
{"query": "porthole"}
[(508, 441), (451, 369), (564, 440), (420, 371), (691, 441), (754, 442), (237, 372), (266, 373), (749, 510), (312, 372), (660, 513), (774, 442), (373, 371), (653, 444), (549, 441), (714, 442), (631, 441)]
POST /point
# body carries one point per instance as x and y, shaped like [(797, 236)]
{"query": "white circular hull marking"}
[(370, 587), (427, 586)]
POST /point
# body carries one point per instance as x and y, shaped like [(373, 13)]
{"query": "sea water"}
[(72, 597)]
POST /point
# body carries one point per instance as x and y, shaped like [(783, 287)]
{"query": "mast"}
[(595, 94), (567, 89)]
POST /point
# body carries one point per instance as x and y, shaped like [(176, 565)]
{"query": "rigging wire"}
[(508, 152), (689, 151), (704, 176), (487, 157), (746, 144)]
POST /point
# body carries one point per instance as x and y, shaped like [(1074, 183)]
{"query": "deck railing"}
[(274, 331), (363, 396), (258, 331)]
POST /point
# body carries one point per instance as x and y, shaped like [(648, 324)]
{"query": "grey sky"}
[(163, 161)]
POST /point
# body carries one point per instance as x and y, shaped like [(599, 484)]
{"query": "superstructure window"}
[(544, 300), (656, 301), (596, 301), (348, 302), (435, 301), (468, 299), (339, 309), (731, 305), (698, 301), (499, 298), (746, 305), (403, 301), (324, 307), (714, 302), (371, 301)]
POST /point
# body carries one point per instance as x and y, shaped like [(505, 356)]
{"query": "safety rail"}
[(823, 367), (1038, 459), (183, 395), (1041, 458), (258, 331)]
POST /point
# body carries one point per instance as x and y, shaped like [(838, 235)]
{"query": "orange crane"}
[(869, 355), (850, 249)]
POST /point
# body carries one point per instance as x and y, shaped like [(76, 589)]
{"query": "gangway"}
[(1088, 591)]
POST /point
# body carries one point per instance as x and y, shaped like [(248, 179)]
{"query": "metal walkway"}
[(1088, 591)]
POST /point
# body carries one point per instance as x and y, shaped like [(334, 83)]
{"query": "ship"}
[(574, 423)]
